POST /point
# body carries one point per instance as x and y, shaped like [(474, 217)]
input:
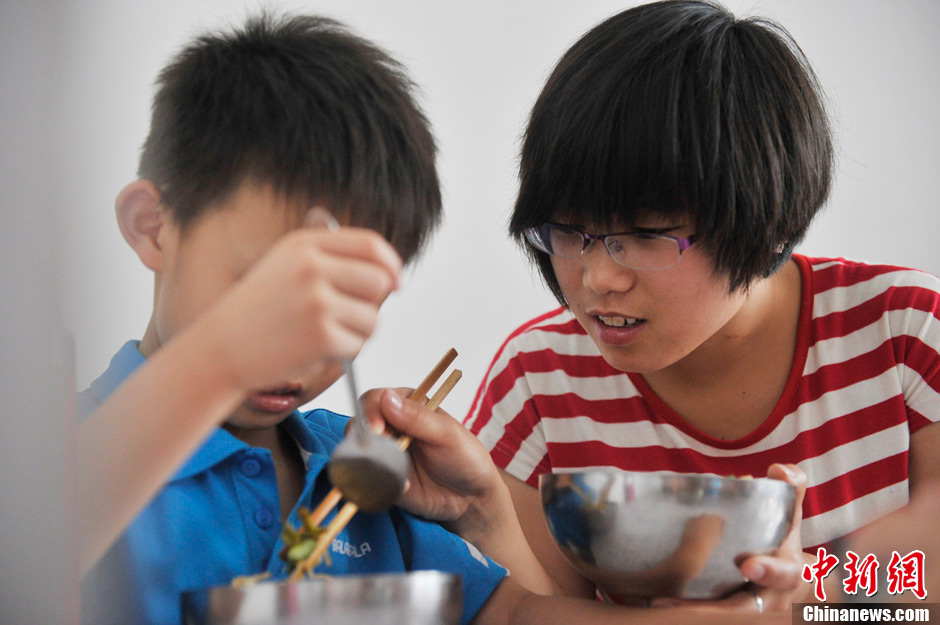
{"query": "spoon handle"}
[(359, 419)]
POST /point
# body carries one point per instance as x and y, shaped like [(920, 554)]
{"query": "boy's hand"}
[(452, 478), (313, 297)]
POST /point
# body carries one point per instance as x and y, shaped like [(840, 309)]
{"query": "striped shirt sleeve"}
[(917, 350), (504, 416)]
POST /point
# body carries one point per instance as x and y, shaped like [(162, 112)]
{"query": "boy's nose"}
[(601, 274)]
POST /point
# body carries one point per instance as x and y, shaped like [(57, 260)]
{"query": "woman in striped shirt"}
[(672, 162)]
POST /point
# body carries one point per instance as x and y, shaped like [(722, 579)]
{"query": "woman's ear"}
[(141, 217)]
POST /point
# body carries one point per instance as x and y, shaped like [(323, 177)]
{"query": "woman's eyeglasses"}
[(638, 249)]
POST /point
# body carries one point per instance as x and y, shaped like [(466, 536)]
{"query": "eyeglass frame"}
[(682, 243)]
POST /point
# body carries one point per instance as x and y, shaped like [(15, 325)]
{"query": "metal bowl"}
[(418, 598), (638, 535)]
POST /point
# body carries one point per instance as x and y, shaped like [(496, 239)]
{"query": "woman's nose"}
[(602, 274)]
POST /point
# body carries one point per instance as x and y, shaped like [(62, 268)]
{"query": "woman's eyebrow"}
[(628, 230), (660, 230)]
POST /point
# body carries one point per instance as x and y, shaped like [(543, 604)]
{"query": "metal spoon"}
[(368, 468)]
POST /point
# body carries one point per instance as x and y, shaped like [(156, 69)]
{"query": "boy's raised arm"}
[(311, 300), (143, 432)]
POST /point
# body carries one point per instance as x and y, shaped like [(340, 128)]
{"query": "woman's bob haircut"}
[(677, 110)]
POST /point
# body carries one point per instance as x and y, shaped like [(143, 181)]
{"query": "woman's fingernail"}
[(754, 572), (794, 471)]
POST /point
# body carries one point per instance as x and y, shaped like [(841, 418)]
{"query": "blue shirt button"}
[(264, 518), (251, 467)]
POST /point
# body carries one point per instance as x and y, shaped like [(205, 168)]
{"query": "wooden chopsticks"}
[(348, 510)]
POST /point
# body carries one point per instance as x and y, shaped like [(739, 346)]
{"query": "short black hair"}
[(676, 108), (299, 103)]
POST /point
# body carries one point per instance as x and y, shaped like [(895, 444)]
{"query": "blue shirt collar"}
[(221, 444), (122, 365)]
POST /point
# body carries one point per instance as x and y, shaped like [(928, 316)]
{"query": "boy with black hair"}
[(253, 314), (674, 158)]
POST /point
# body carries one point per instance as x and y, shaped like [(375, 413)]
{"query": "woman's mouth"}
[(615, 329), (615, 321), (276, 400)]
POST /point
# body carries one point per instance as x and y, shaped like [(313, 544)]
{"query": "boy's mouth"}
[(276, 400)]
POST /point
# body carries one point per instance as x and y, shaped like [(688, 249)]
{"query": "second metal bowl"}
[(416, 598), (662, 534)]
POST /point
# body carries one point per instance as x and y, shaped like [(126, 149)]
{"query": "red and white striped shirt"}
[(865, 376)]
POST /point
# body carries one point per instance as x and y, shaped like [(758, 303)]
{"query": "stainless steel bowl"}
[(415, 598), (638, 535)]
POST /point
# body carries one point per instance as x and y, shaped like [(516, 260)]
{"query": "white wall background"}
[(480, 66), (38, 559)]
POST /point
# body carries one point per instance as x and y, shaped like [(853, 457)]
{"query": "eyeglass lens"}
[(636, 250)]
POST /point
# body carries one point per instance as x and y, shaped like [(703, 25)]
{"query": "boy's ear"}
[(142, 220)]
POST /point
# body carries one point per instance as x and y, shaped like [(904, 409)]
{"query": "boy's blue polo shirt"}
[(217, 518)]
